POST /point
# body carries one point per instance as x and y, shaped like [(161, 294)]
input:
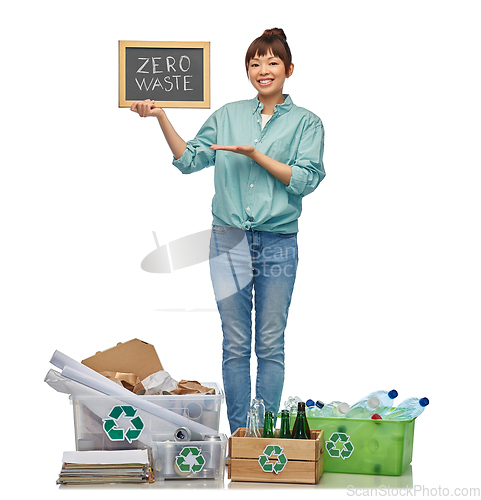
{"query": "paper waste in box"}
[(134, 356)]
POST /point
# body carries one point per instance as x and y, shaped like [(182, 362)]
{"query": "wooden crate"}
[(302, 460)]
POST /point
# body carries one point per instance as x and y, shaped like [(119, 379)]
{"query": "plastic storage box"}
[(105, 423), (190, 460), (360, 446)]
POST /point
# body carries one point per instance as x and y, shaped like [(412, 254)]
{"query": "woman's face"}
[(268, 74)]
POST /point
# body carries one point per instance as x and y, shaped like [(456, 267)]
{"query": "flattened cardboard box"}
[(135, 356)]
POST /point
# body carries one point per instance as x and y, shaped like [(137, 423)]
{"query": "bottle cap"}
[(343, 408), (319, 404), (376, 417), (424, 402), (310, 403), (392, 394), (373, 402)]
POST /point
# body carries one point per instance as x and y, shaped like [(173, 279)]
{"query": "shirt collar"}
[(280, 108)]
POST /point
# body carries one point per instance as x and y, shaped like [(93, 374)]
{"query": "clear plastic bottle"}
[(386, 400), (334, 409), (314, 409), (408, 409), (291, 404), (364, 408)]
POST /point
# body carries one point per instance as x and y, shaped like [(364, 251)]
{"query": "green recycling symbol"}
[(339, 445), (116, 433), (269, 451), (190, 460)]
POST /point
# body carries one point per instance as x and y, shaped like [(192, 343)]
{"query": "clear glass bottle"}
[(259, 407), (252, 425)]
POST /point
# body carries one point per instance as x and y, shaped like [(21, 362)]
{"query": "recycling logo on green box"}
[(273, 450), (339, 445), (190, 459), (115, 432)]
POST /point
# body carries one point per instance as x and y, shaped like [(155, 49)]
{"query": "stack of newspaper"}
[(99, 467)]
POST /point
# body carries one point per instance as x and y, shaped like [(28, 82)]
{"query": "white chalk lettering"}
[(180, 63), (142, 67), (157, 84), (176, 81), (170, 65), (168, 82), (154, 65), (143, 84), (186, 82)]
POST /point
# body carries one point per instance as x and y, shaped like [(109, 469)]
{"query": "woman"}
[(267, 154)]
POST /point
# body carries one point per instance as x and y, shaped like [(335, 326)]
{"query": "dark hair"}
[(273, 40)]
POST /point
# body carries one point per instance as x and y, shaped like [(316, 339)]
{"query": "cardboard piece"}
[(134, 356), (192, 387)]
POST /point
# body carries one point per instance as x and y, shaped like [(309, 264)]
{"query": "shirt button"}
[(252, 185), (248, 209), (256, 140)]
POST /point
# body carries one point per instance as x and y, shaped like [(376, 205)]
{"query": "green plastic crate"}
[(359, 446)]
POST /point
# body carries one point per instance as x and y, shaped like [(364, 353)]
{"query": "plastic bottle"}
[(364, 408), (314, 409), (334, 409), (408, 409), (291, 404), (386, 400)]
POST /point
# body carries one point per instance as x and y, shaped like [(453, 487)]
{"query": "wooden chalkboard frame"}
[(205, 103)]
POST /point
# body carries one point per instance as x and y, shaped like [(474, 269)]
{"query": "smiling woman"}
[(267, 154)]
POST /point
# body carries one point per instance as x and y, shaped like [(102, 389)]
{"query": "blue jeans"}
[(252, 267)]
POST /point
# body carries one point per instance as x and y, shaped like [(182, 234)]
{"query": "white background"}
[(388, 287)]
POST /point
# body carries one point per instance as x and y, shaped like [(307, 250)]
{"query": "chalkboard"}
[(173, 74)]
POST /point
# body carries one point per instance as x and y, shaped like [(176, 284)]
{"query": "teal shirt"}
[(246, 195)]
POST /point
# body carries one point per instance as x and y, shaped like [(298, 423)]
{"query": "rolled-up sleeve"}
[(308, 168), (198, 154)]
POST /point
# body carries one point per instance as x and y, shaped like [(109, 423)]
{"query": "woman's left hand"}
[(243, 150)]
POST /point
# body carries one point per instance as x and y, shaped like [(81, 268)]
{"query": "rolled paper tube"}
[(193, 411), (84, 375), (210, 419)]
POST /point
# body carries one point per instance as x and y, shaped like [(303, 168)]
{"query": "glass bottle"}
[(258, 405), (252, 427), (268, 431), (285, 431), (301, 430), (301, 407)]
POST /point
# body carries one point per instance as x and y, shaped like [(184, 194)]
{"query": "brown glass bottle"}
[(300, 430), (301, 408)]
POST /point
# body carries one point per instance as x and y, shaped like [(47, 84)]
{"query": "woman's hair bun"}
[(275, 32)]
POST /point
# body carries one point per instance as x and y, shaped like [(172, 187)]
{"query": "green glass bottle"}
[(300, 430), (285, 432), (268, 425)]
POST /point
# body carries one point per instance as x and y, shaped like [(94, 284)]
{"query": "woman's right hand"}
[(146, 108)]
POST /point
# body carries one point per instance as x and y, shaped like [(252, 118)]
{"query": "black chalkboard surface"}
[(173, 74)]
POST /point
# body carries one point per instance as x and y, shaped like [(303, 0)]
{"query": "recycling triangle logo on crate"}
[(117, 432), (190, 459), (270, 451)]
